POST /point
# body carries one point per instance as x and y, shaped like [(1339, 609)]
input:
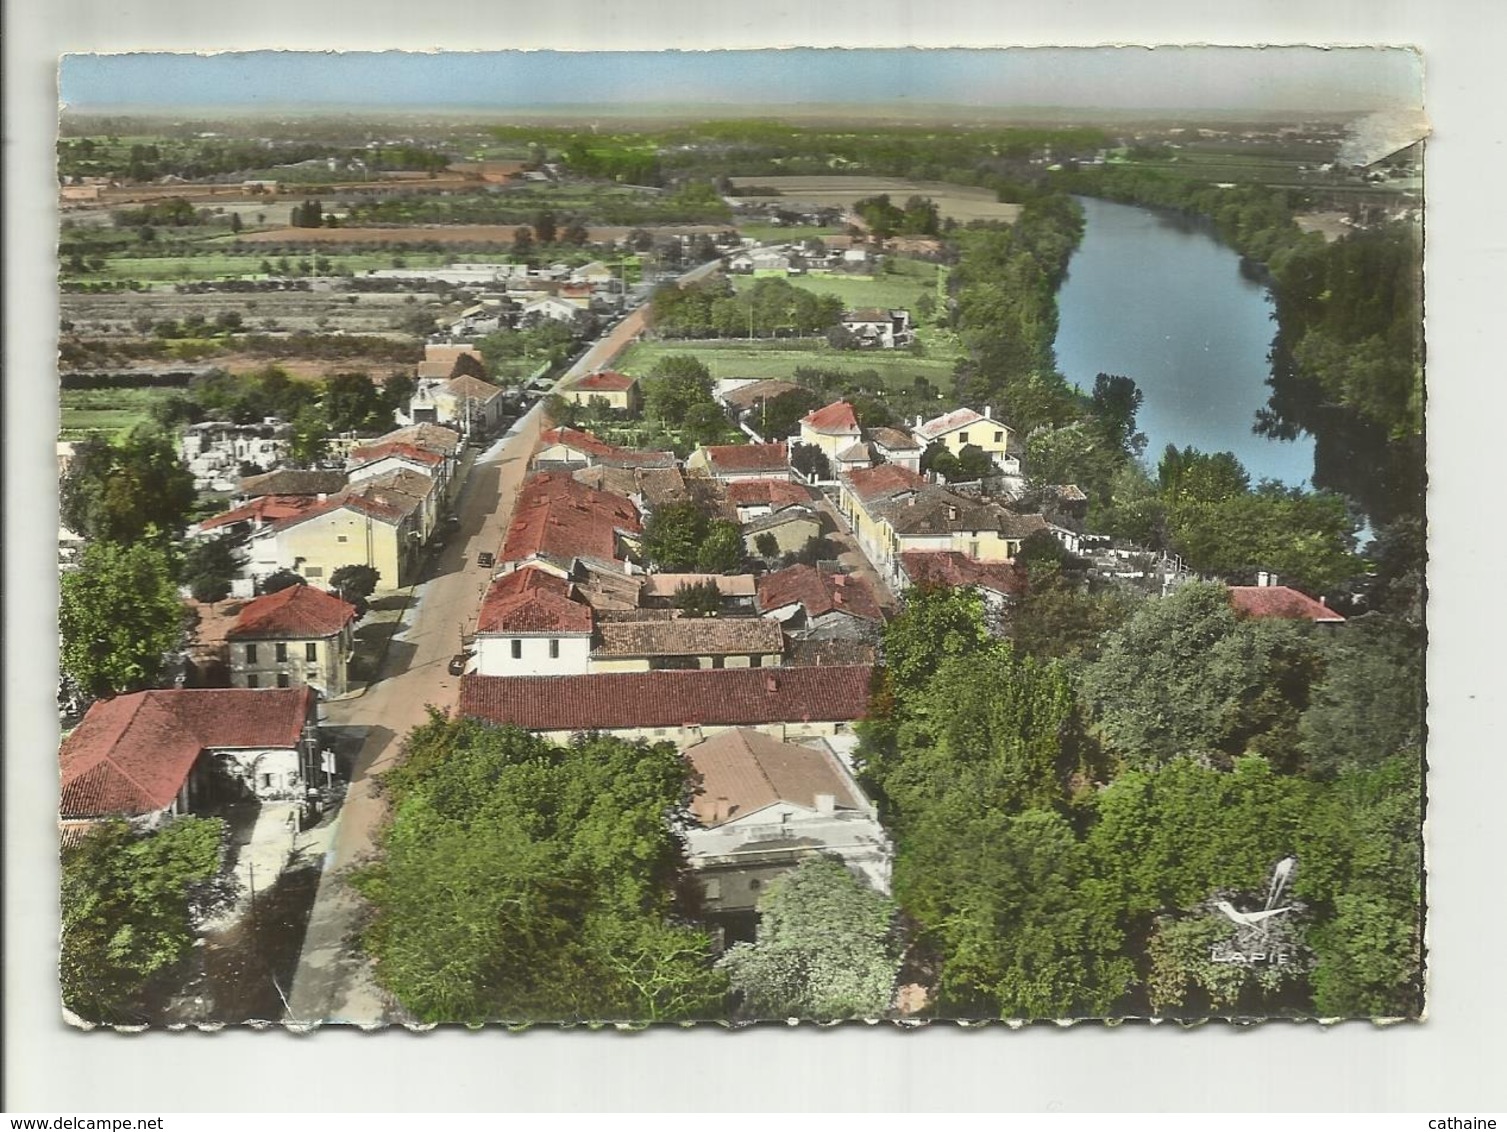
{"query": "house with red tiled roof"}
[(894, 512), (532, 624), (675, 706), (832, 428), (250, 517), (565, 445), (676, 642), (169, 751), (753, 498), (1000, 583), (462, 401), (811, 603), (762, 807), (557, 520), (298, 635), (316, 482), (896, 446), (731, 463), (380, 522), (1284, 602), (962, 428), (615, 391)]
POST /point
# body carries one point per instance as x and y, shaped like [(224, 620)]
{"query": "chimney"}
[(1262, 578), (826, 804), (988, 412), (771, 684)]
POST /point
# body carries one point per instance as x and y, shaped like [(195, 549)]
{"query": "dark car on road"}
[(486, 558), (458, 663)]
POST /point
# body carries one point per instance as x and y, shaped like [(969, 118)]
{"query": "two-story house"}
[(298, 635)]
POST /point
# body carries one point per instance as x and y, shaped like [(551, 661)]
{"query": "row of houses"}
[(381, 511)]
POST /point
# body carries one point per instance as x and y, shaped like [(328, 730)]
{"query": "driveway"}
[(333, 982)]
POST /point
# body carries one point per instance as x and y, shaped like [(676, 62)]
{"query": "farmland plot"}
[(960, 202)]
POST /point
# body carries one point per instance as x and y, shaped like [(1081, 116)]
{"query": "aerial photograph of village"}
[(741, 536)]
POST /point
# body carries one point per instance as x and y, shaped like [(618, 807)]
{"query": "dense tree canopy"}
[(137, 489), (525, 881), (130, 901), (827, 948), (119, 616), (1185, 676)]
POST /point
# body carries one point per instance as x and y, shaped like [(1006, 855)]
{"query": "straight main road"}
[(333, 982)]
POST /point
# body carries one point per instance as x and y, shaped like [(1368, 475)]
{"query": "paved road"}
[(333, 981)]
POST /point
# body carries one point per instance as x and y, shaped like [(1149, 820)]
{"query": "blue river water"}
[(1160, 299)]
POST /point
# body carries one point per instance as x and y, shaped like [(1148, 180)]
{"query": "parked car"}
[(458, 663), (486, 558)]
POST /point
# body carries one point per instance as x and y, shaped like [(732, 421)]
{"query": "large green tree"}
[(673, 536), (129, 903), (828, 948), (526, 881), (119, 616), (1185, 676), (677, 384), (127, 492)]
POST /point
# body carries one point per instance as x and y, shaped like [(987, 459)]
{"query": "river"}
[(1157, 297)]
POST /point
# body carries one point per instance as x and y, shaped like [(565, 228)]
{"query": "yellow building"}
[(616, 391), (832, 428), (962, 427), (366, 525)]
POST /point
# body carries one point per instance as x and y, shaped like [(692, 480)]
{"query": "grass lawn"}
[(781, 233), (110, 411), (734, 359), (900, 288)]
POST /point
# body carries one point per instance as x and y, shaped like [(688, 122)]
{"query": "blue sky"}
[(1131, 78)]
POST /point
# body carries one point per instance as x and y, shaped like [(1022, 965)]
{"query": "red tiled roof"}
[(742, 771), (894, 439), (433, 437), (132, 754), (1280, 601), (606, 381), (748, 457), (767, 493), (818, 592), (937, 426), (746, 396), (531, 600), (562, 519), (293, 481), (690, 636), (886, 479), (953, 568), (371, 453), (597, 448), (669, 698), (296, 612), (472, 387), (837, 417), (264, 508)]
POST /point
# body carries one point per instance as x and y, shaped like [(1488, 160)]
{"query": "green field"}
[(862, 290), (780, 233), (110, 411), (247, 265), (737, 359)]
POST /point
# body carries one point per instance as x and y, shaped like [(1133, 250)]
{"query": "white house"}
[(529, 625), (762, 807)]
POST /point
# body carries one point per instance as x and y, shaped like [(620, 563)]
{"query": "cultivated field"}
[(113, 412), (957, 201), (901, 289), (123, 313), (456, 234), (730, 358)]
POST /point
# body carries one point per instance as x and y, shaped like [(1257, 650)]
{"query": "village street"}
[(333, 981)]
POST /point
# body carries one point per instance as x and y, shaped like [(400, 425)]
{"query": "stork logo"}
[(1256, 940)]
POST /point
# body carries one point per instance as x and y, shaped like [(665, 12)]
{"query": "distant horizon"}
[(1125, 81)]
